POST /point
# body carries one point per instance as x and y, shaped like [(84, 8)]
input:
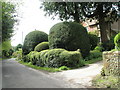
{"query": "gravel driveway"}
[(81, 76)]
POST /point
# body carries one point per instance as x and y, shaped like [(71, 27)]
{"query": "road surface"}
[(82, 76), (16, 75)]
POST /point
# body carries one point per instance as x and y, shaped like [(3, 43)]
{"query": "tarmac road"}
[(16, 75)]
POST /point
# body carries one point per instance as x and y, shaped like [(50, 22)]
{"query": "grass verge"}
[(40, 68), (4, 58), (106, 81), (94, 60)]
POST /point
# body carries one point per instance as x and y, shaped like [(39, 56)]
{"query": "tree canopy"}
[(8, 20), (65, 10), (104, 12)]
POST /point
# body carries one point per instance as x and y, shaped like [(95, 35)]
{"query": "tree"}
[(65, 10), (105, 13), (19, 46), (8, 20)]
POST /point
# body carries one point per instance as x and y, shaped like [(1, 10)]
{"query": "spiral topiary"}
[(117, 41), (32, 39), (70, 36), (41, 46)]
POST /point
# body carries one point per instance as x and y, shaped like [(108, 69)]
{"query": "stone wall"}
[(111, 62)]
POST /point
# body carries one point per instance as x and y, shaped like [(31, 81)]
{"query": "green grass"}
[(4, 58), (94, 60), (40, 68), (106, 81)]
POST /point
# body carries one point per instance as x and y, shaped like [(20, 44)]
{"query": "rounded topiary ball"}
[(42, 46), (32, 39), (70, 36), (117, 41)]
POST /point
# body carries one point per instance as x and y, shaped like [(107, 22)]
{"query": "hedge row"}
[(55, 58)]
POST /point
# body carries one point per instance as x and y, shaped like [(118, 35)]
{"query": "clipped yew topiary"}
[(56, 58), (117, 41), (70, 36), (32, 39), (93, 40), (42, 46)]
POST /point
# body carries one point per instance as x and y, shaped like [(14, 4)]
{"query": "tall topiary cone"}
[(32, 39), (70, 36)]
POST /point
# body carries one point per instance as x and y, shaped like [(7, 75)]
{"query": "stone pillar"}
[(111, 62)]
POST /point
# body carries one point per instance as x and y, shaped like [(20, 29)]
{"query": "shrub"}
[(64, 68), (55, 58), (7, 53), (99, 47), (94, 54), (42, 46), (109, 44), (32, 39), (25, 58), (17, 55), (117, 41), (19, 46), (93, 40), (32, 57), (70, 36)]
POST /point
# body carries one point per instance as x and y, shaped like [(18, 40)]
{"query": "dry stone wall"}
[(111, 62)]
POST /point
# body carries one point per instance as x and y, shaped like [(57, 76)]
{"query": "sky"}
[(31, 18)]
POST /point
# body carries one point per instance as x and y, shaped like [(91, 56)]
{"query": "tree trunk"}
[(102, 24), (108, 28), (76, 14)]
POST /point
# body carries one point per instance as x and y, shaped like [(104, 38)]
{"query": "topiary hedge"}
[(32, 39), (42, 46), (70, 36), (56, 58), (117, 41)]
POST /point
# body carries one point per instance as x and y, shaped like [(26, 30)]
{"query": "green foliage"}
[(102, 72), (113, 50), (95, 32), (93, 55), (32, 39), (70, 36), (6, 45), (65, 10), (17, 54), (107, 46), (8, 20), (6, 49), (106, 82), (25, 58), (99, 47), (32, 58), (93, 40), (104, 12), (19, 46), (117, 41), (39, 68), (7, 53), (42, 46), (55, 58), (64, 68)]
